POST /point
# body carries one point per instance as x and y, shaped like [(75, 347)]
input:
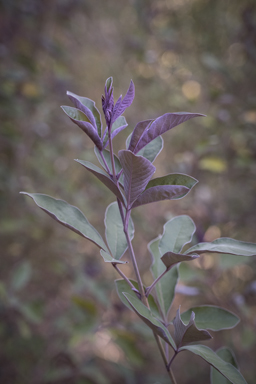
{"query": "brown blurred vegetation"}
[(60, 318)]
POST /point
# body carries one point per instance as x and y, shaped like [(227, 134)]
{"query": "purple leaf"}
[(138, 133), (137, 173), (160, 192), (85, 104), (103, 177), (185, 334), (126, 102), (80, 119), (163, 124), (76, 100)]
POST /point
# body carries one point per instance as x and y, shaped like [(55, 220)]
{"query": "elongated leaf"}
[(109, 259), (107, 158), (227, 355), (137, 173), (185, 334), (146, 315), (83, 103), (137, 133), (126, 102), (117, 127), (212, 317), (225, 245), (69, 216), (163, 124), (103, 177), (170, 258), (177, 232), (165, 288), (226, 369), (80, 119), (173, 179), (161, 192), (123, 286), (115, 231)]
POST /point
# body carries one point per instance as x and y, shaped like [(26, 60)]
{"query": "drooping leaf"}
[(227, 355), (211, 317), (107, 158), (117, 127), (103, 177), (225, 245), (123, 286), (126, 102), (109, 259), (83, 103), (163, 124), (137, 133), (185, 334), (80, 119), (177, 232), (173, 179), (165, 288), (137, 173), (161, 192), (146, 315), (151, 150), (226, 369), (170, 258), (115, 236), (69, 216)]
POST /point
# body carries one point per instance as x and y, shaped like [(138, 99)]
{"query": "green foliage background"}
[(60, 318)]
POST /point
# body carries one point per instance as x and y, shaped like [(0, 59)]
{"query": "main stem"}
[(143, 297)]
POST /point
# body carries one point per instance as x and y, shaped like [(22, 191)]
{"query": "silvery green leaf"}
[(69, 216), (211, 317), (227, 355), (225, 245), (115, 235), (165, 288), (226, 369), (146, 315), (177, 232)]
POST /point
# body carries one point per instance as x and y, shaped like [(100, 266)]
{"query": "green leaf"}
[(227, 355), (69, 216), (152, 150), (226, 369), (109, 259), (123, 286), (103, 177), (75, 114), (115, 235), (177, 232), (146, 315), (173, 179), (21, 275), (225, 245), (165, 288), (211, 317), (189, 333), (107, 158)]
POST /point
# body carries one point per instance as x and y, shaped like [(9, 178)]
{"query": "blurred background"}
[(61, 320)]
